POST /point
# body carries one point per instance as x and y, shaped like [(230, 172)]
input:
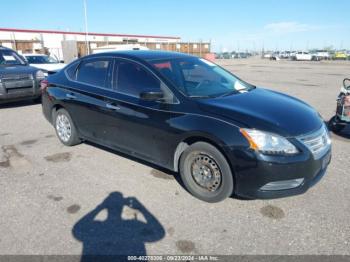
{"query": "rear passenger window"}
[(72, 71), (95, 72), (133, 79)]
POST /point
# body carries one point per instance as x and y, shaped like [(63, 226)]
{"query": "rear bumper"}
[(257, 173), (47, 106)]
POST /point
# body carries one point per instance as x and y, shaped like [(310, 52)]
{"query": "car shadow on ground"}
[(138, 160), (113, 237), (22, 103), (154, 166)]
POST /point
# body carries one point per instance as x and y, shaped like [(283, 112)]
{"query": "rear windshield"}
[(8, 57)]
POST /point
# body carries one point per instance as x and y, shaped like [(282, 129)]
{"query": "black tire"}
[(193, 153), (73, 138), (334, 126)]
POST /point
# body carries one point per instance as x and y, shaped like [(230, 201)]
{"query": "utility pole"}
[(86, 28)]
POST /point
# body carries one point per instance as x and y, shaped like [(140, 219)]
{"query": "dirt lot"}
[(50, 194)]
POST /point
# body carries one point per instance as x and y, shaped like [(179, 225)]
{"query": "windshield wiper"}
[(207, 96), (237, 91), (229, 93)]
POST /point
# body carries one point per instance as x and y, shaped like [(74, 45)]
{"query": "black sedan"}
[(223, 135)]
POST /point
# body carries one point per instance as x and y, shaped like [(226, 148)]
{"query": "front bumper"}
[(20, 93), (257, 172)]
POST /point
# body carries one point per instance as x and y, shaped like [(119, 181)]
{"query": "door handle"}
[(110, 106), (71, 96)]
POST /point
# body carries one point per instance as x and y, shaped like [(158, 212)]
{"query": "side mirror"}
[(151, 95)]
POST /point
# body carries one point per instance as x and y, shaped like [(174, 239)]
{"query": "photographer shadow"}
[(114, 237)]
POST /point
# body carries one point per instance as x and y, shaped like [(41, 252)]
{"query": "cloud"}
[(289, 27)]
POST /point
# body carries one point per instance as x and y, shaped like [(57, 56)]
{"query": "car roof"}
[(144, 54)]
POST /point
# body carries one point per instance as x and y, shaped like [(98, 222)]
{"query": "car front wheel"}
[(65, 129), (206, 173)]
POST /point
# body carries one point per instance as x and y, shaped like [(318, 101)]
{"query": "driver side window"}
[(132, 79), (194, 74)]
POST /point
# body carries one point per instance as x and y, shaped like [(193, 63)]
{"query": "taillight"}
[(44, 84)]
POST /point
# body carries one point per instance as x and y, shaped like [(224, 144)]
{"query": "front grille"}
[(17, 81), (317, 142), (12, 78)]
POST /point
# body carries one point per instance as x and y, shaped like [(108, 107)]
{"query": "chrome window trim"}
[(177, 101), (77, 69), (160, 110)]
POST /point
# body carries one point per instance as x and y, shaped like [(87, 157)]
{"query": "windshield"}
[(41, 59), (8, 57), (196, 77)]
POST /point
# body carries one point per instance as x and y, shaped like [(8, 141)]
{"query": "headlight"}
[(40, 75), (268, 143)]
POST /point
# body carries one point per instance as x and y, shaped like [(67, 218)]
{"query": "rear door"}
[(86, 103)]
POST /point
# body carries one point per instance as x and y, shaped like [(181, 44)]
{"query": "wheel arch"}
[(54, 109), (191, 139)]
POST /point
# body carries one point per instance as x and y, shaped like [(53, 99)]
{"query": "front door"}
[(141, 127)]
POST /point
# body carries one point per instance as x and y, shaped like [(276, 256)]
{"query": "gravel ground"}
[(54, 199)]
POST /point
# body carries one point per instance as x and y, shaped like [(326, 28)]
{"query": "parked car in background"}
[(237, 55), (184, 113), (275, 56), (302, 56), (292, 55), (18, 80), (225, 55), (217, 55), (285, 55), (340, 55), (267, 55), (48, 64), (322, 55), (243, 55)]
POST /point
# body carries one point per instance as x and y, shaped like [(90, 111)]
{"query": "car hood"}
[(50, 67), (20, 69), (266, 110)]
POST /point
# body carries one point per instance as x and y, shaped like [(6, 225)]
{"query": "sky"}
[(228, 24)]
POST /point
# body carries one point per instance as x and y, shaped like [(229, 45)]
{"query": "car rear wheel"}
[(206, 173), (65, 129)]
